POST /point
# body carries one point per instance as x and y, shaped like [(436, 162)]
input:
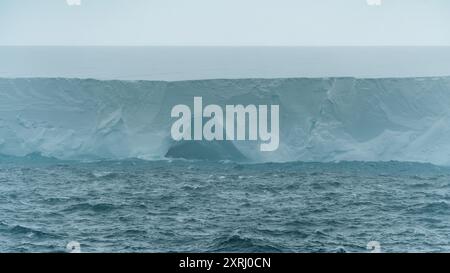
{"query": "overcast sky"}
[(225, 22)]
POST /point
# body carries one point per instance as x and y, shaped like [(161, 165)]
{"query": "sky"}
[(225, 22)]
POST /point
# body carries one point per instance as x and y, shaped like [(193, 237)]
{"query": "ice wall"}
[(323, 119)]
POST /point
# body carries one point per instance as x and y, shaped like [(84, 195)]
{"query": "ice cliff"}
[(323, 119)]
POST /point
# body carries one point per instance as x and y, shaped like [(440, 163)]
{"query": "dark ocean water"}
[(141, 206)]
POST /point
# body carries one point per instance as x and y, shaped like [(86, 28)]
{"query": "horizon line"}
[(285, 46)]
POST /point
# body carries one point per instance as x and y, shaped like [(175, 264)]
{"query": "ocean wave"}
[(30, 232), (237, 243), (104, 174), (431, 208), (97, 208)]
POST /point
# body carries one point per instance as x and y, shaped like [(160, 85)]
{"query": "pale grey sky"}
[(225, 22)]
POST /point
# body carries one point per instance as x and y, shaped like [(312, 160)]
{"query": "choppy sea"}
[(195, 206)]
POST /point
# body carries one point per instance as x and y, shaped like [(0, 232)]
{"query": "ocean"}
[(191, 206)]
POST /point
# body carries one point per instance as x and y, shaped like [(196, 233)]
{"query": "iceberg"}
[(321, 119)]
